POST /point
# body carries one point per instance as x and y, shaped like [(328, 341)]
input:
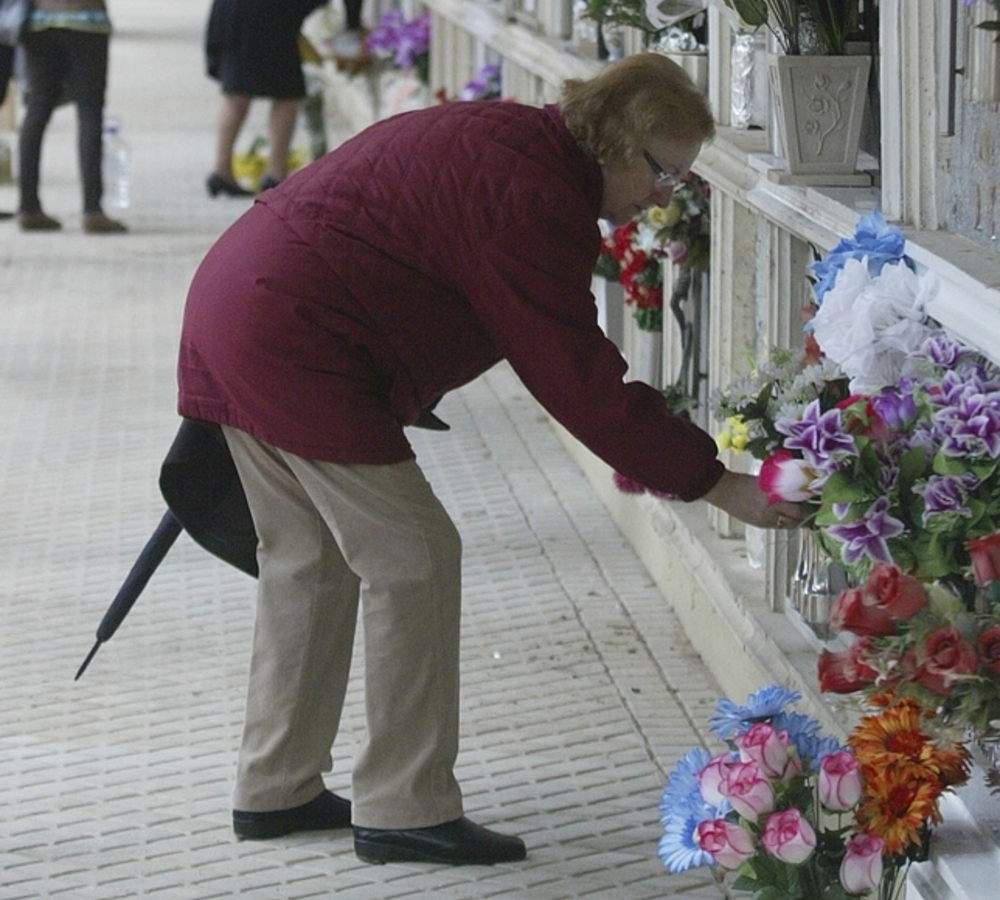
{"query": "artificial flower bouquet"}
[(926, 641), (633, 253), (484, 85), (890, 429), (404, 42), (250, 165), (792, 815), (885, 424)]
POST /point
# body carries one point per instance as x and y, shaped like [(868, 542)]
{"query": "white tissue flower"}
[(871, 326)]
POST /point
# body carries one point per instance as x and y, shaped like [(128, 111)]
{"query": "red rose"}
[(985, 553), (859, 417), (947, 657), (988, 647), (901, 596), (847, 671), (873, 609), (851, 613)]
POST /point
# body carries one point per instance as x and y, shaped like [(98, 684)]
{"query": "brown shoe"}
[(38, 221), (98, 223)]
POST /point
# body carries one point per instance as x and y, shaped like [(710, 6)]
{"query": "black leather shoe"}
[(216, 185), (267, 182), (458, 843), (326, 812)]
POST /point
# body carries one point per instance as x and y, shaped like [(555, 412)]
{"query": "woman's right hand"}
[(741, 497)]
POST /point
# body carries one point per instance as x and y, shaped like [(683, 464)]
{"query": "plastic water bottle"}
[(117, 166)]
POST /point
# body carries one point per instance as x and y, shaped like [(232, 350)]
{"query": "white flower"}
[(645, 238), (871, 326)]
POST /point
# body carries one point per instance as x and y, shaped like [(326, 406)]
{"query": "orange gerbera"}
[(895, 737), (898, 812), (905, 772)]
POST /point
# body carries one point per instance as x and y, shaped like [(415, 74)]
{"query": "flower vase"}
[(816, 583), (741, 86)]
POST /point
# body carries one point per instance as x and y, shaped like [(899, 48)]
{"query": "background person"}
[(65, 47), (6, 73), (252, 50), (402, 265)]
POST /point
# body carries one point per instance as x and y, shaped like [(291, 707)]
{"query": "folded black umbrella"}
[(205, 498)]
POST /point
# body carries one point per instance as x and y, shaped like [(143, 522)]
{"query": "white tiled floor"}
[(579, 691)]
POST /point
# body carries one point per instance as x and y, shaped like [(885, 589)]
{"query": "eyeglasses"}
[(662, 179)]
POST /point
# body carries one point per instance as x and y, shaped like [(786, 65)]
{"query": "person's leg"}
[(348, 43), (90, 147), (281, 127), (44, 71), (395, 535), (86, 83), (394, 532), (352, 15), (303, 638), (231, 114)]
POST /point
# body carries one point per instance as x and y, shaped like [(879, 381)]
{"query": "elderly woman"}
[(336, 310)]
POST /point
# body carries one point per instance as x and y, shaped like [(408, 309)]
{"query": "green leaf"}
[(752, 12), (844, 487), (649, 318)]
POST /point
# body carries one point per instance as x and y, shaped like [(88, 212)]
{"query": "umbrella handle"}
[(142, 570)]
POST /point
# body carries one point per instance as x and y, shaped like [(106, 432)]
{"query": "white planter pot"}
[(819, 103)]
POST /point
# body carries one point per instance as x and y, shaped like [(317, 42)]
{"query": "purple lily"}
[(946, 494), (943, 350), (896, 406), (819, 436), (971, 427), (867, 536)]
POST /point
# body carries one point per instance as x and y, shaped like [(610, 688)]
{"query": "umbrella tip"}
[(86, 662)]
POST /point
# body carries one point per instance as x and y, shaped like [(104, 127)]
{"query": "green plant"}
[(633, 14), (787, 20), (989, 24)]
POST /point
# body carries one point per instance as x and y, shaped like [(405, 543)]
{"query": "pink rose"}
[(678, 252), (729, 844), (788, 836), (988, 648), (847, 671), (839, 781), (947, 658), (985, 553), (712, 777), (861, 868), (748, 790), (785, 477), (768, 748)]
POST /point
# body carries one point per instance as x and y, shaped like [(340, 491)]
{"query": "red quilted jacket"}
[(403, 265)]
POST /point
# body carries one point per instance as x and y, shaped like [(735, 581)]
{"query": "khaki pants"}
[(329, 536)]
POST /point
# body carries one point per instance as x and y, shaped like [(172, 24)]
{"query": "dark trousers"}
[(6, 69), (61, 66)]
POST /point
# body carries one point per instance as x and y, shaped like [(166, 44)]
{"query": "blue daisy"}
[(678, 848), (683, 791), (764, 704)]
